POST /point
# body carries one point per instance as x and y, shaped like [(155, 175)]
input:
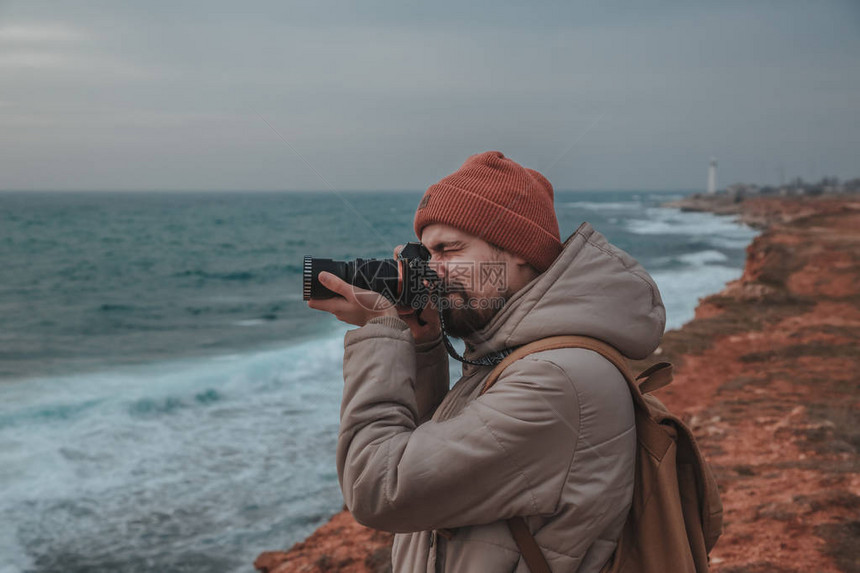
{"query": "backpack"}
[(676, 516)]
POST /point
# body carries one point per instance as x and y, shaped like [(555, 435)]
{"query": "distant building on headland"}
[(712, 176), (796, 187)]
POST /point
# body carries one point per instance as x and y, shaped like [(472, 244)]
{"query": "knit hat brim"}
[(505, 204)]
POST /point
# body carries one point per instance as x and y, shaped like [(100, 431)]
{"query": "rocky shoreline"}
[(767, 376)]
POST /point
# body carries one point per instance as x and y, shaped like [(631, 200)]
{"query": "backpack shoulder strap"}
[(553, 343), (655, 377), (528, 547), (651, 379)]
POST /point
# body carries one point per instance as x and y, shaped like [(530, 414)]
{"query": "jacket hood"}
[(591, 289)]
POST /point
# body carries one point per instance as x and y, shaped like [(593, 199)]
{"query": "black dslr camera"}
[(406, 280)]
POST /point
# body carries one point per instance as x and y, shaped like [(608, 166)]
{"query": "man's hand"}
[(357, 306), (429, 315), (354, 305)]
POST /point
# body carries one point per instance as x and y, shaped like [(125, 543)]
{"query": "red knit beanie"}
[(499, 201)]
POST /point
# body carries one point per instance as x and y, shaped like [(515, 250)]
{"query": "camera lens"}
[(405, 280), (382, 276), (311, 269), (307, 277)]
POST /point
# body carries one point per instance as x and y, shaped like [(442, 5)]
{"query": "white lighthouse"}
[(712, 176)]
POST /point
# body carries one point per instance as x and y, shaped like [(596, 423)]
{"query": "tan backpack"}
[(676, 516)]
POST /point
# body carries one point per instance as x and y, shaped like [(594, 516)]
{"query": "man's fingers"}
[(397, 250), (325, 304), (371, 300), (335, 284)]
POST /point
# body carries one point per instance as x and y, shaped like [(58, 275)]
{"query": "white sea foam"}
[(13, 557), (739, 242), (681, 289), (703, 258), (706, 272), (250, 322), (695, 259), (670, 221)]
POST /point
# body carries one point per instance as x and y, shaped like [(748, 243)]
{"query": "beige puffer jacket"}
[(553, 440)]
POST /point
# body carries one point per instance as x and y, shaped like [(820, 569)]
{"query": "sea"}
[(168, 403)]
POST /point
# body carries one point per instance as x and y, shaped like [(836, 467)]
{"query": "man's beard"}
[(469, 316)]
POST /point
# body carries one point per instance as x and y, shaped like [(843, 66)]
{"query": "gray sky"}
[(395, 95)]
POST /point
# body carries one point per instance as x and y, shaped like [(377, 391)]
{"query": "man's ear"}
[(519, 260)]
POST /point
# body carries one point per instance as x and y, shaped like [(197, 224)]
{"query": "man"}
[(553, 440)]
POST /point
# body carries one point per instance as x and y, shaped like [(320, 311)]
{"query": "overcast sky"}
[(395, 95)]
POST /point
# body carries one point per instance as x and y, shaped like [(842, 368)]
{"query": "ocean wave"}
[(108, 307), (740, 242), (682, 289), (268, 272), (670, 221), (56, 413), (695, 259), (703, 258), (601, 206), (250, 322), (166, 441), (150, 407), (228, 276)]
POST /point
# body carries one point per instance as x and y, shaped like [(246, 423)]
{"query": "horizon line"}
[(404, 191)]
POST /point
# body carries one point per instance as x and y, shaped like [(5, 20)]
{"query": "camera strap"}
[(491, 359)]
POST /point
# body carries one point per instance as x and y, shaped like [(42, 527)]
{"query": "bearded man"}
[(553, 441)]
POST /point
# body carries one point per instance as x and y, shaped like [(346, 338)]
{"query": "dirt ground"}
[(767, 376)]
